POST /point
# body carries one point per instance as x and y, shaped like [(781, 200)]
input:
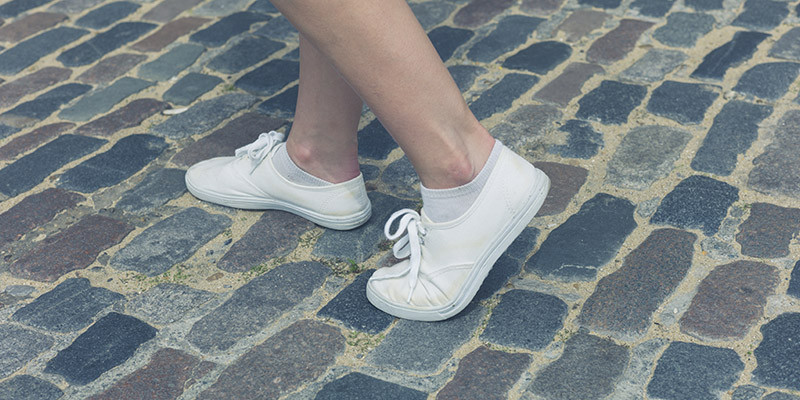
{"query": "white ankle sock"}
[(289, 170), (442, 205)]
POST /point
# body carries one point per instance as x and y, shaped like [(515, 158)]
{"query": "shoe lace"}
[(259, 149), (409, 245)]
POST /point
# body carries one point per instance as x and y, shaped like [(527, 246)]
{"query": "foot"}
[(250, 181), (447, 262)]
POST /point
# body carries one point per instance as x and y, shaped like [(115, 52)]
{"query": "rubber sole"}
[(346, 222), (484, 264)]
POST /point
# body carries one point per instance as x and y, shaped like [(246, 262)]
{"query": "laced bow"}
[(409, 245), (259, 149)]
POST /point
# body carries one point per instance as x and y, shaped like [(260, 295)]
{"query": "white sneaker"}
[(249, 181), (448, 261)]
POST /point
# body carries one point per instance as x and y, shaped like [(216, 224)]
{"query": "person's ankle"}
[(336, 169)]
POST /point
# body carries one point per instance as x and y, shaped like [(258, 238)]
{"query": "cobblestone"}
[(787, 46), (169, 242), (431, 13), (447, 40), (624, 302), (269, 78), (168, 33), (13, 91), (250, 51), (212, 111), (688, 370), (485, 374), (167, 303), (16, 7), (26, 387), (19, 345), (768, 81), (478, 12), (582, 140), (586, 241), (611, 102), (768, 230), (221, 31), (654, 66), (697, 202), (106, 15), (580, 23), (568, 85), (774, 171), (775, 352), (34, 211), (794, 283), (274, 235), (761, 14), (127, 116), (743, 286), (646, 154), (100, 101), (106, 344), (155, 190), (171, 63), (526, 127), (30, 25), (653, 8), (525, 319), (278, 28), (352, 308), (28, 113), (683, 102), (684, 29), (732, 133), (104, 43), (111, 68), (716, 63), (509, 33), (572, 179), (539, 58), (359, 386), (500, 96), (167, 10), (615, 45)]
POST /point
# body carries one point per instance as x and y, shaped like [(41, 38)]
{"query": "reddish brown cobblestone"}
[(73, 248), (29, 25), (33, 211), (33, 139), (729, 300), (12, 91), (169, 33), (479, 12), (130, 115), (541, 7), (109, 69), (164, 377), (570, 180), (568, 85), (485, 374), (581, 23), (297, 354), (768, 230), (615, 45)]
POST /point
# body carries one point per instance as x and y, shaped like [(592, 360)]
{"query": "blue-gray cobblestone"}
[(447, 40), (263, 6), (171, 63), (26, 387), (282, 105), (167, 303), (18, 346), (540, 57), (794, 283), (374, 141), (716, 63), (611, 102), (525, 319), (465, 75), (684, 29), (104, 43), (697, 202), (359, 386), (248, 52), (499, 97), (203, 116), (431, 13), (683, 102), (777, 352), (692, 371), (43, 105), (169, 242), (582, 140), (221, 31), (106, 15), (509, 33), (69, 307), (155, 190), (190, 87), (26, 53), (16, 7), (607, 4), (278, 28), (100, 101), (654, 65), (768, 81), (653, 8), (788, 46), (747, 392), (129, 155), (352, 308), (269, 78), (704, 5), (762, 14), (645, 155)]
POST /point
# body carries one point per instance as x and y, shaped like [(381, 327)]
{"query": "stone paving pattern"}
[(664, 264)]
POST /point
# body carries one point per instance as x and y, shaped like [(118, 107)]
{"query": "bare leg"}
[(323, 137), (383, 52)]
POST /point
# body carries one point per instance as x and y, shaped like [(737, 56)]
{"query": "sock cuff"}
[(473, 186), (289, 170)]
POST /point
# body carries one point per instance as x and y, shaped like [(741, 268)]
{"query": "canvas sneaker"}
[(250, 181), (447, 262)]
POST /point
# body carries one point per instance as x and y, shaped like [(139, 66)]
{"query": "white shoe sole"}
[(483, 265), (345, 222)]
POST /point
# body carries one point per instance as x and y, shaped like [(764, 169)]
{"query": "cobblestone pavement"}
[(663, 265)]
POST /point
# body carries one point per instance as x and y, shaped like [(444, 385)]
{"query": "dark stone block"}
[(155, 190), (169, 242), (190, 87), (401, 350), (34, 211), (729, 55), (704, 5), (683, 102), (359, 386), (684, 29), (263, 7), (16, 7), (18, 346), (401, 179), (587, 369), (6, 130), (698, 202), (734, 130), (11, 92), (106, 15), (275, 234), (730, 300), (431, 13), (654, 66), (168, 33), (499, 97), (102, 100), (794, 283), (278, 28), (465, 75), (104, 43), (586, 241), (768, 81), (282, 105), (645, 155), (479, 12), (762, 14), (446, 40), (168, 10), (33, 168), (503, 269), (216, 35), (780, 396), (776, 170), (611, 102), (787, 46), (269, 78), (203, 116), (623, 303), (747, 392), (26, 387), (69, 307), (607, 4), (540, 57), (582, 141), (509, 33), (109, 342), (374, 141), (128, 116), (171, 63), (653, 8), (352, 308), (768, 231), (360, 243), (485, 374), (570, 180), (73, 248), (615, 45), (568, 85), (248, 52), (778, 351), (129, 155), (257, 304), (110, 68), (525, 319), (693, 371), (24, 54), (42, 106)]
